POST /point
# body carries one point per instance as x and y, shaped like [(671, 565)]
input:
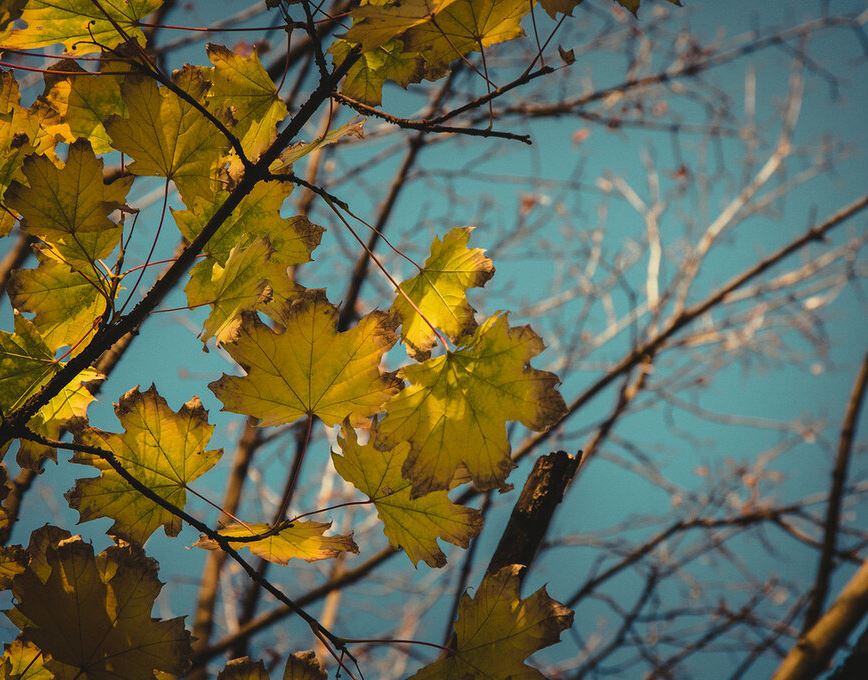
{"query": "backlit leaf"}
[(413, 524), (80, 25), (69, 207), (243, 669), (303, 666), (301, 540), (496, 631), (23, 661), (364, 81), (251, 280), (167, 136), (439, 291), (162, 449), (257, 216), (309, 368), (456, 407), (244, 97), (92, 614)]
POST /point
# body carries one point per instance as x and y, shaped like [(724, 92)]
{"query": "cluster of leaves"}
[(407, 437)]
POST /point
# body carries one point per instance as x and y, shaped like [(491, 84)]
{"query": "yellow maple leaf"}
[(250, 280), (23, 661), (167, 136), (162, 449), (440, 30), (26, 364), (64, 303), (364, 81), (309, 368), (84, 102), (257, 216), (439, 292), (455, 410), (82, 26), (91, 615), (243, 96), (496, 631), (354, 128), (300, 540), (69, 207), (413, 524)]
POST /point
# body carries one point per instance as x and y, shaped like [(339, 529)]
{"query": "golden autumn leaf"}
[(413, 524), (162, 449), (455, 410), (355, 128), (243, 669), (23, 661), (84, 102), (496, 631), (309, 368), (167, 136), (364, 81), (65, 303), (244, 97), (250, 280), (26, 364), (91, 615), (440, 30), (439, 292), (300, 540), (258, 215), (82, 26), (69, 207)]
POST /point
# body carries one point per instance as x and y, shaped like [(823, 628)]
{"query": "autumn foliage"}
[(222, 135)]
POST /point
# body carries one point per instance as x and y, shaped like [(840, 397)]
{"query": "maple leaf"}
[(243, 669), (167, 136), (23, 661), (14, 144), (439, 292), (69, 207), (309, 368), (257, 216), (13, 561), (300, 540), (440, 30), (496, 631), (244, 96), (26, 364), (65, 304), (82, 26), (91, 615), (455, 410), (84, 102), (250, 280), (364, 80), (413, 524), (162, 449)]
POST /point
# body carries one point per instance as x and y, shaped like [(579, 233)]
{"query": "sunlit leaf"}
[(455, 410), (303, 666), (439, 292), (413, 524), (69, 207), (364, 80), (301, 540), (23, 661), (167, 136), (496, 631), (162, 449), (82, 26), (309, 368), (13, 561), (243, 669)]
